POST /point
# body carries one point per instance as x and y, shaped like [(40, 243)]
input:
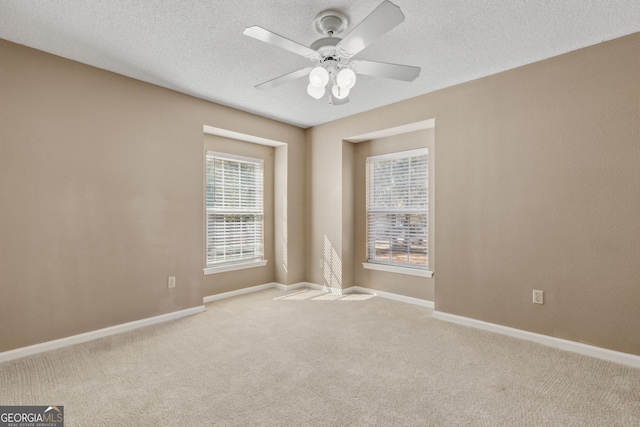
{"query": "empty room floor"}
[(310, 359)]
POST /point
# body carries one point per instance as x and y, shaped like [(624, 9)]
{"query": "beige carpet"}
[(258, 360)]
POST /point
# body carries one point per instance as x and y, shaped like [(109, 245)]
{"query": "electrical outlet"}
[(538, 297), (320, 263), (171, 283)]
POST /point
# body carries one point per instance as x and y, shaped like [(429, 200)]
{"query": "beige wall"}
[(280, 201), (412, 286), (537, 187), (233, 280), (101, 184), (291, 212), (536, 176), (324, 207)]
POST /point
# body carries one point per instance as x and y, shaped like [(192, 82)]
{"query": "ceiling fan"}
[(331, 55)]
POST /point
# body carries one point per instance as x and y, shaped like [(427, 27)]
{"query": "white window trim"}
[(393, 268), (397, 269), (237, 265), (234, 267), (235, 157), (398, 154)]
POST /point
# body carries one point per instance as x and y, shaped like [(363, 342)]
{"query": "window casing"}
[(397, 209), (234, 209)]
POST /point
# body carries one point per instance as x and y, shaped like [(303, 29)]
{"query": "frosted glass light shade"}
[(339, 92), (319, 77), (316, 92), (346, 78)]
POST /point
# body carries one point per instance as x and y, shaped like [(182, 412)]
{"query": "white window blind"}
[(397, 209), (234, 203)]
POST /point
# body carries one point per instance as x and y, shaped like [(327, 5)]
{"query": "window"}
[(234, 204), (397, 211)]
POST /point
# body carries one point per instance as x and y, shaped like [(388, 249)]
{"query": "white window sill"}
[(397, 269), (233, 267)]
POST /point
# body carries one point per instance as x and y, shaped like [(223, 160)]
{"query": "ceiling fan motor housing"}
[(330, 23), (330, 60), (326, 47)]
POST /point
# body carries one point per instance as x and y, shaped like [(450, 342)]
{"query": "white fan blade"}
[(284, 79), (267, 36), (382, 20), (405, 73)]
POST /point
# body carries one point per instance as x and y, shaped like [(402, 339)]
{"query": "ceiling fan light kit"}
[(339, 92), (346, 78), (319, 77), (331, 56), (316, 92)]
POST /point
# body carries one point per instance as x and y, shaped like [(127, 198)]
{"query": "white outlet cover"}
[(538, 297)]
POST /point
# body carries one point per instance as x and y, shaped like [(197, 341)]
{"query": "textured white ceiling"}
[(197, 46)]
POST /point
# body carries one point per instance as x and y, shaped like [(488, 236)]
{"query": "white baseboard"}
[(251, 289), (389, 295), (294, 286), (361, 290), (242, 291), (99, 333), (572, 346), (315, 286)]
